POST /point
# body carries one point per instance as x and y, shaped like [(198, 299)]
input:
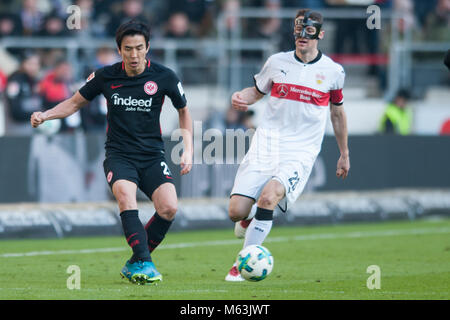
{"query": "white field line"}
[(380, 293), (312, 237)]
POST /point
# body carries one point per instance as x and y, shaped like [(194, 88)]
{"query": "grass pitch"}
[(326, 262)]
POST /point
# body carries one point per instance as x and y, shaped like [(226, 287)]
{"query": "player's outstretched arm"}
[(240, 100), (61, 110), (185, 120), (339, 121)]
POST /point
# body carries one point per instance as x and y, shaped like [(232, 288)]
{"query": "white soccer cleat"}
[(234, 275), (240, 228)]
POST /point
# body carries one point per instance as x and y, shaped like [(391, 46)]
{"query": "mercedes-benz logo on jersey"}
[(283, 90), (150, 87)]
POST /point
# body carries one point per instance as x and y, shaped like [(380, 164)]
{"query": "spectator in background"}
[(247, 119), (231, 119), (54, 26), (405, 8), (55, 88), (105, 56), (352, 35), (10, 25), (88, 26), (397, 118), (178, 26), (93, 117), (102, 15), (31, 17), (437, 23), (230, 7), (131, 9), (267, 27), (22, 95), (422, 9), (346, 38), (198, 12)]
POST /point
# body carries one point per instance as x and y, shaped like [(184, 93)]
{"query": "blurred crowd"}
[(194, 18), (39, 79)]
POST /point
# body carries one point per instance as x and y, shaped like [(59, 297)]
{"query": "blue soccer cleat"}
[(153, 274), (141, 272)]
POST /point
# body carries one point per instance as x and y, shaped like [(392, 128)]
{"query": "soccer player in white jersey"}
[(302, 86)]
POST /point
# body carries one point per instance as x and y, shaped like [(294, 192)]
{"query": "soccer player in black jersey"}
[(135, 90)]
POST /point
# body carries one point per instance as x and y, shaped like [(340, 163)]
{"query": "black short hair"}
[(131, 28), (313, 15), (403, 93)]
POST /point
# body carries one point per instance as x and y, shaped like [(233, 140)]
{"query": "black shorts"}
[(148, 175)]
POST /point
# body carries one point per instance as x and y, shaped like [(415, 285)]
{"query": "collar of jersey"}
[(317, 58), (146, 68)]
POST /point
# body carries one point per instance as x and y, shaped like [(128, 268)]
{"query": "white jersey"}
[(295, 115), (288, 140)]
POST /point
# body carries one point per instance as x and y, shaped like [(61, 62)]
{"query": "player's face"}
[(305, 44), (133, 50)]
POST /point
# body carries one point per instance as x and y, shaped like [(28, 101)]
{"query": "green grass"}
[(326, 262)]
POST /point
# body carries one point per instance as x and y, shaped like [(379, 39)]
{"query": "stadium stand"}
[(217, 46)]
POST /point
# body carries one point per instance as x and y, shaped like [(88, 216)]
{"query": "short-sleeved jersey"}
[(134, 106), (296, 113)]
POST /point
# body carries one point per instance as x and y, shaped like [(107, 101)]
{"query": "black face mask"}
[(306, 27)]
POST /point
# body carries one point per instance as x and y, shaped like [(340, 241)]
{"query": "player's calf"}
[(239, 207)]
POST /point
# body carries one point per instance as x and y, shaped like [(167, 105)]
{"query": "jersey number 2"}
[(166, 170)]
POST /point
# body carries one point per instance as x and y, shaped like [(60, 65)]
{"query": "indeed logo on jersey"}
[(130, 102)]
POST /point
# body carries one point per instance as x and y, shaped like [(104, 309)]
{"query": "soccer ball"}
[(254, 263)]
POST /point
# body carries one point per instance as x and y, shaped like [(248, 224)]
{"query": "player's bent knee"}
[(168, 211), (235, 214), (268, 200)]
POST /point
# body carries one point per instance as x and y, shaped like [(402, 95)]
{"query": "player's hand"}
[(343, 167), (36, 119), (238, 103), (186, 163)]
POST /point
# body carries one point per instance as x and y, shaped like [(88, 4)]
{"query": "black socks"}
[(157, 228), (136, 235)]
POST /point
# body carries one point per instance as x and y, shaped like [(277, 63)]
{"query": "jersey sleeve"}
[(175, 91), (336, 95), (264, 79), (93, 86)]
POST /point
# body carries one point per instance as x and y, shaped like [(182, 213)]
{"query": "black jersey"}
[(134, 106)]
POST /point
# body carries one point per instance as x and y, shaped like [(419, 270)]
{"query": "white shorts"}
[(292, 174)]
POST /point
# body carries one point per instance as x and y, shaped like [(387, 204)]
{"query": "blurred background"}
[(396, 92)]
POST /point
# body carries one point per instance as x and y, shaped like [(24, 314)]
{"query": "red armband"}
[(336, 96)]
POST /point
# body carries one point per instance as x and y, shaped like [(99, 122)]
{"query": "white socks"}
[(259, 228), (257, 232)]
